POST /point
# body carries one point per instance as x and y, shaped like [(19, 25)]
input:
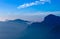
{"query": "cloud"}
[(28, 4), (33, 3), (49, 1), (36, 16)]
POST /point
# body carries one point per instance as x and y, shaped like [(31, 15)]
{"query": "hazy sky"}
[(31, 9)]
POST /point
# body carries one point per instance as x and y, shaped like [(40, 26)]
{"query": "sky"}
[(28, 9)]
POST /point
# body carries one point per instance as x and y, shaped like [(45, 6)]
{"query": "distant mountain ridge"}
[(10, 29), (21, 29)]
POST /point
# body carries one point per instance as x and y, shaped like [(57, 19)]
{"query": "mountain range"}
[(47, 29), (21, 29)]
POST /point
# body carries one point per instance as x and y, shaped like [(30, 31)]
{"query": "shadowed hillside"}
[(48, 29), (11, 29), (20, 29)]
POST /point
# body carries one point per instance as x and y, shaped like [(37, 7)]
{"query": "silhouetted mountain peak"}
[(51, 16), (52, 19), (17, 20)]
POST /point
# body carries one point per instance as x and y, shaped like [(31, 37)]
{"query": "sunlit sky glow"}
[(13, 9)]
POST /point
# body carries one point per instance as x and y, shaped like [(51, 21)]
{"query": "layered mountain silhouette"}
[(20, 29), (11, 29), (48, 29)]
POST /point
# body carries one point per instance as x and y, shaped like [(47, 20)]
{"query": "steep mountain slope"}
[(48, 29)]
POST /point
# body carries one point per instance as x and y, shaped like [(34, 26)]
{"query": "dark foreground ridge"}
[(48, 29), (20, 29)]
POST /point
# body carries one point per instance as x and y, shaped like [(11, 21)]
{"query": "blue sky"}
[(13, 9)]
